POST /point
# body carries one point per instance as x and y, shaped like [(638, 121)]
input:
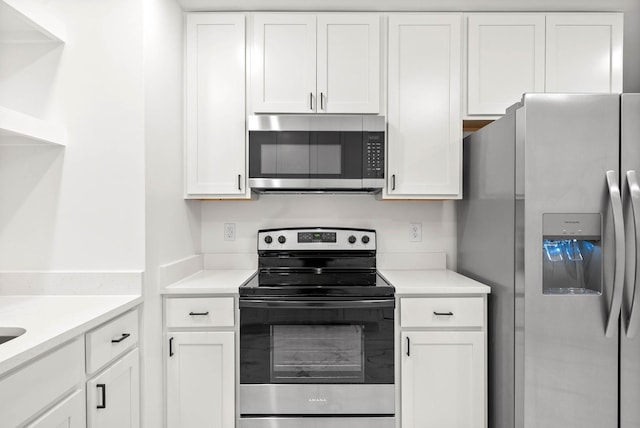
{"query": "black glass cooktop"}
[(317, 284)]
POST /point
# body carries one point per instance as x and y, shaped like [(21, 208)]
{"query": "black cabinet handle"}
[(239, 184), (393, 182), (123, 337), (171, 347), (408, 347), (200, 314), (321, 101), (103, 388), (310, 100), (443, 314)]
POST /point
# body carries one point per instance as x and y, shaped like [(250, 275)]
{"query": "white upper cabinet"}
[(284, 63), (348, 63), (306, 63), (505, 60), (509, 54), (424, 115), (584, 52), (215, 106)]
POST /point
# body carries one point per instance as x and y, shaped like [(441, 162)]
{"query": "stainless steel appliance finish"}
[(542, 223), (308, 399), (277, 422), (323, 122), (317, 332), (316, 153)]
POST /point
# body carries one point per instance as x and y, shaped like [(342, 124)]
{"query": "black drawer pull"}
[(123, 337), (408, 347), (103, 389), (199, 314), (443, 314), (171, 347)]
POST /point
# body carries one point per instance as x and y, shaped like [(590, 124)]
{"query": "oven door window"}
[(311, 345), (317, 353)]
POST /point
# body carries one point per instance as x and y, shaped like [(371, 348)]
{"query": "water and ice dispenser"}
[(572, 254)]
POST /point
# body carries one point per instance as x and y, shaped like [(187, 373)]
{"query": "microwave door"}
[(336, 159), (279, 159)]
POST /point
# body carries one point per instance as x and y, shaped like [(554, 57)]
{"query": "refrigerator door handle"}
[(618, 227), (634, 193)]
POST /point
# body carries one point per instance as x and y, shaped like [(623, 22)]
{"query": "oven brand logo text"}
[(317, 400)]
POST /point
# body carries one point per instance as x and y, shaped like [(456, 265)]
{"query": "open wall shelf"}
[(23, 21), (29, 129)]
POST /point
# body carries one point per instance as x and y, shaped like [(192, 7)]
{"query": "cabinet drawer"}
[(200, 312), (442, 312), (111, 340), (35, 387)]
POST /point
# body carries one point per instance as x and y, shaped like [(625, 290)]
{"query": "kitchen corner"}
[(69, 326)]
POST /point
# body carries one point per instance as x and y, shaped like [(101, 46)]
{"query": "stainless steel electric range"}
[(317, 333)]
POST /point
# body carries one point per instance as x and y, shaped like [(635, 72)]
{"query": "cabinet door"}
[(424, 124), (284, 63), (113, 397), (584, 52), (69, 413), (200, 380), (505, 60), (215, 80), (348, 63), (443, 379)]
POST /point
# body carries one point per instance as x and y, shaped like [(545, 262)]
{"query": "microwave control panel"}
[(373, 155)]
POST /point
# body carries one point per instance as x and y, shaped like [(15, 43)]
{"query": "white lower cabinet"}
[(113, 369), (201, 379), (200, 386), (443, 382), (113, 396), (69, 413), (443, 362)]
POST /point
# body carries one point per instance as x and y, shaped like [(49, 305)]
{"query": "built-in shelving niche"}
[(24, 21)]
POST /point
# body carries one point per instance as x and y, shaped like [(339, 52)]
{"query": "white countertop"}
[(51, 321), (406, 282), (432, 282), (219, 281)]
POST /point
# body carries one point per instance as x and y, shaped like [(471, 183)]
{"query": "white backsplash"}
[(390, 219)]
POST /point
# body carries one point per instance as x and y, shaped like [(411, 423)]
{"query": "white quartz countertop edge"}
[(432, 282), (52, 320), (406, 282), (218, 281)]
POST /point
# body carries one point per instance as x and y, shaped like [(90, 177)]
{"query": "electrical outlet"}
[(415, 232), (229, 231)]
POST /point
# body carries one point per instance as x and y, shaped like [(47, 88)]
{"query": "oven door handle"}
[(325, 304)]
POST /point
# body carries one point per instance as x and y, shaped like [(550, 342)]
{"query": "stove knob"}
[(268, 239), (365, 239), (282, 239), (352, 239)]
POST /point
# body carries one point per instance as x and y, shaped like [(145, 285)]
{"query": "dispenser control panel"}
[(572, 226)]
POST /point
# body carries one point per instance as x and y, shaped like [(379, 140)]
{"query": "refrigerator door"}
[(629, 336), (569, 174)]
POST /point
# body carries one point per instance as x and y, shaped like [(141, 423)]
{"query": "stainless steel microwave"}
[(316, 153)]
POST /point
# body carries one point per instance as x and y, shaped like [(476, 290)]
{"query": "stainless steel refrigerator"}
[(551, 220)]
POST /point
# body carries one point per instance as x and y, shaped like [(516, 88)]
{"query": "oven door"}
[(302, 357), (305, 159)]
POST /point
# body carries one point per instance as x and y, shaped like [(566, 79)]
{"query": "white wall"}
[(79, 207), (391, 219), (172, 225)]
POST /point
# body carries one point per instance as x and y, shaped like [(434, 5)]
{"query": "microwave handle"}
[(325, 304)]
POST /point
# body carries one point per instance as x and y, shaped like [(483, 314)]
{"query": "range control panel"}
[(316, 239)]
